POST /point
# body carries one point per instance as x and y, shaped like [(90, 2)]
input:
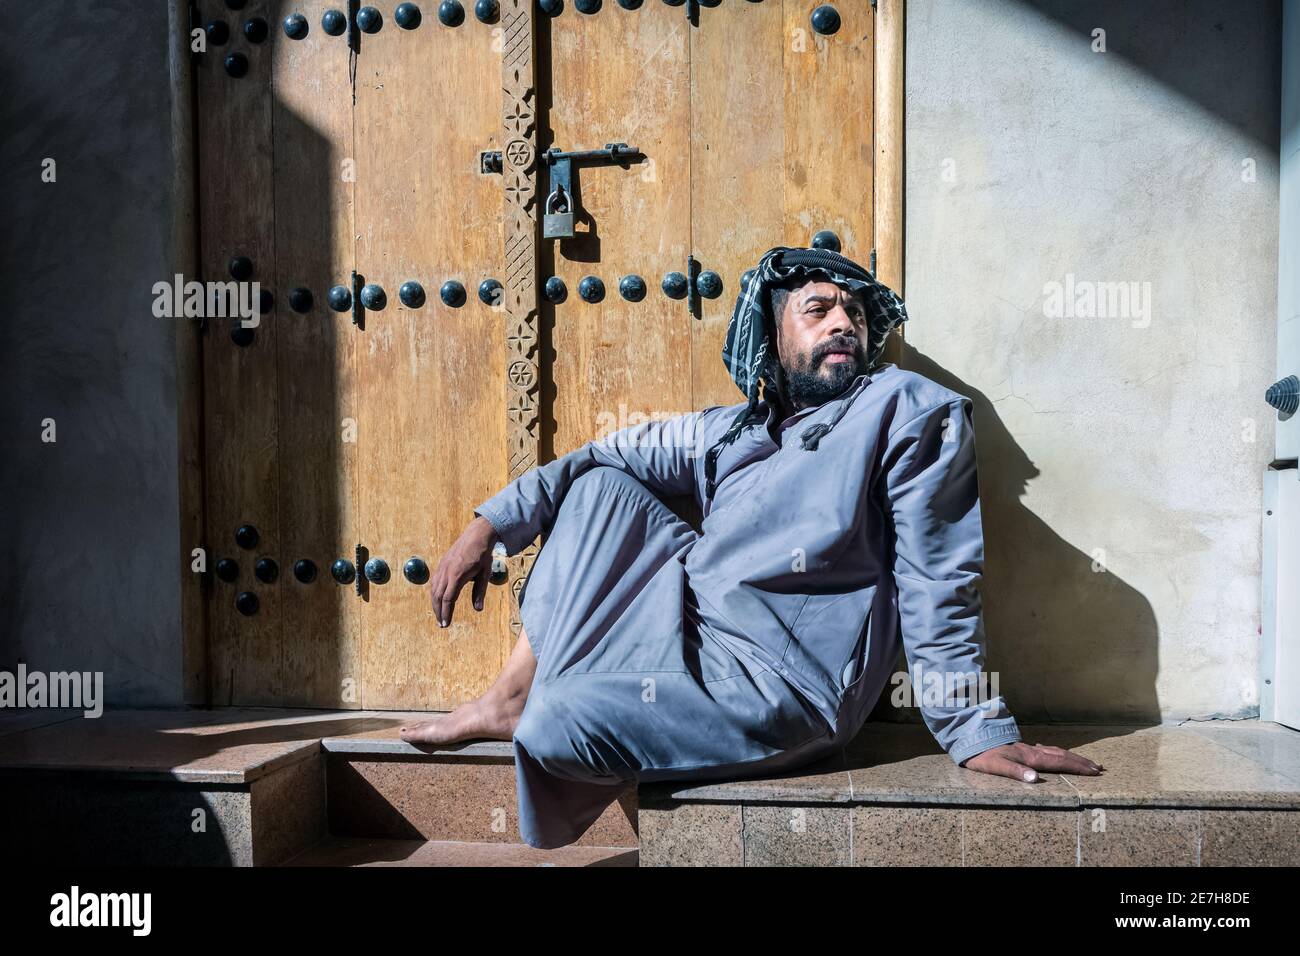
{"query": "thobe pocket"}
[(855, 668), (828, 637)]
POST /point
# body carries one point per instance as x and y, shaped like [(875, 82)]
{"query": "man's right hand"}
[(469, 559)]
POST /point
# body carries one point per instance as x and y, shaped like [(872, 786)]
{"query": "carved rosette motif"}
[(517, 160)]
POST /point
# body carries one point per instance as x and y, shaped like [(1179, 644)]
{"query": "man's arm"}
[(662, 455), (933, 494)]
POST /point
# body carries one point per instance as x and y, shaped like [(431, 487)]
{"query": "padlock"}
[(557, 218)]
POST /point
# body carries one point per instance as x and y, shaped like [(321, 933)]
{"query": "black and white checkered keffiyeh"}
[(746, 349)]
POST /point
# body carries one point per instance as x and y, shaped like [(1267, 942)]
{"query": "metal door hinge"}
[(358, 312)]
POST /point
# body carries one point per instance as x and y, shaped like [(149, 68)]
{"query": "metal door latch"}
[(561, 208)]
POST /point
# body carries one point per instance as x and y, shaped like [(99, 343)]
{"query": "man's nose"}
[(838, 322)]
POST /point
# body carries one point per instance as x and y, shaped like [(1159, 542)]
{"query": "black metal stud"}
[(295, 26), (629, 4), (369, 20), (218, 32), (489, 292), (487, 11), (452, 293), (241, 268), (343, 572), (416, 571), (407, 16), (377, 571), (227, 570), (709, 3), (586, 6), (300, 300), (266, 570), (241, 336), (826, 19), (555, 290), (709, 283), (246, 603), (1284, 395), (340, 298), (373, 297), (674, 285), (826, 240), (674, 3), (334, 22), (256, 30), (247, 537), (304, 570), (412, 294), (632, 288), (451, 13), (265, 301), (552, 8), (591, 289)]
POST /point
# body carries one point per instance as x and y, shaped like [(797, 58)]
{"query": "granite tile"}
[(1176, 767), (1250, 838), (936, 780), (906, 836), (346, 851), (461, 799), (58, 819), (288, 810), (17, 721), (1271, 746), (197, 746), (378, 733), (902, 763), (821, 781), (1020, 837), (795, 836), (1116, 836), (690, 834)]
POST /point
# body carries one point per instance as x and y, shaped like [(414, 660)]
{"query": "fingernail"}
[(1030, 776)]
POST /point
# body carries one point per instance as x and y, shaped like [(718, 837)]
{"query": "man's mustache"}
[(844, 343)]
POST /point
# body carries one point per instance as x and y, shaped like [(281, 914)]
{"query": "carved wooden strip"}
[(520, 241)]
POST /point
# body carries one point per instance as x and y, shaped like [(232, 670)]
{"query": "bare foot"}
[(485, 717)]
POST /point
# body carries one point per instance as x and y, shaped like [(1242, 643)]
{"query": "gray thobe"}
[(762, 642)]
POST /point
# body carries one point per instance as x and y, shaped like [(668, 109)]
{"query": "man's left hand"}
[(1020, 761)]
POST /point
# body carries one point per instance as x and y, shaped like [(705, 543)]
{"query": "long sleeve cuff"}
[(511, 532), (991, 733)]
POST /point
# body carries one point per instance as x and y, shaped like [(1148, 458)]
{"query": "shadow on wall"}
[(1173, 41), (1071, 626)]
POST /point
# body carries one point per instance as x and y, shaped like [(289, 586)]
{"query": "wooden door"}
[(274, 133), (430, 377), (405, 152)]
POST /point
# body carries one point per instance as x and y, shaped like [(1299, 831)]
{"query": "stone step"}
[(248, 787), (1212, 793), (230, 787), (379, 786), (357, 851)]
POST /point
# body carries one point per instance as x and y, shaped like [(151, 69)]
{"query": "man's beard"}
[(812, 381)]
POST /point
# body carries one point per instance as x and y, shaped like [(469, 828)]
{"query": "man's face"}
[(821, 340)]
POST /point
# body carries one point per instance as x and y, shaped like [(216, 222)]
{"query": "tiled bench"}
[(1199, 794), (340, 788)]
